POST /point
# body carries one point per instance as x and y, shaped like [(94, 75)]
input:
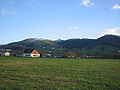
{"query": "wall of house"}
[(7, 53), (35, 55), (31, 55)]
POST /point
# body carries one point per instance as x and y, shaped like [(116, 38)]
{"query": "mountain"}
[(78, 43), (108, 44), (32, 43), (110, 40), (105, 45)]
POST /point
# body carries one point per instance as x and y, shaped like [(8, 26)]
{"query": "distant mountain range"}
[(107, 44)]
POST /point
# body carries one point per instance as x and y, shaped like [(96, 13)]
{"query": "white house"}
[(7, 53), (4, 53), (31, 53)]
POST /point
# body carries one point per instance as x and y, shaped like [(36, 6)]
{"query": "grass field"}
[(59, 74)]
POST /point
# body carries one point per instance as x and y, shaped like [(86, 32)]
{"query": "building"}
[(31, 53), (5, 52)]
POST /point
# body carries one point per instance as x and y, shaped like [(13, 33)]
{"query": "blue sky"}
[(58, 19)]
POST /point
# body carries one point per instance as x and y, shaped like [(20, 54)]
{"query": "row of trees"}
[(80, 53)]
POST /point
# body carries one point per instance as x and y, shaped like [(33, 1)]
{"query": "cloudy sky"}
[(58, 19)]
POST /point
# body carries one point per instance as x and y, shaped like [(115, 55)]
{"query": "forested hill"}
[(32, 43), (107, 43), (107, 40)]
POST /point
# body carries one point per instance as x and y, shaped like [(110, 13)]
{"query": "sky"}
[(58, 19)]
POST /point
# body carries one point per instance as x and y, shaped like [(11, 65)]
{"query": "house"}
[(31, 53), (5, 52)]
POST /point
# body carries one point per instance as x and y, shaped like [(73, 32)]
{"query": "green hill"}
[(31, 43), (106, 45)]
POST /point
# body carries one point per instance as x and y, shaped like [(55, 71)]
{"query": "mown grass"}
[(59, 74)]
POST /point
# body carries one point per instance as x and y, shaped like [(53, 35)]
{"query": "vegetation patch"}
[(57, 73)]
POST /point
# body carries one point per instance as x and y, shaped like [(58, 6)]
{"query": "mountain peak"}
[(109, 36)]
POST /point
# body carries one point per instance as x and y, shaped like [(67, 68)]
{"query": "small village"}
[(25, 53), (34, 53)]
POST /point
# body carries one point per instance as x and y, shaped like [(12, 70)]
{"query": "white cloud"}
[(33, 2), (74, 28), (116, 6), (87, 3), (11, 3), (4, 11), (112, 31), (8, 7)]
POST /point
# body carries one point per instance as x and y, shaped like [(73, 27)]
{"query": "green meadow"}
[(59, 74)]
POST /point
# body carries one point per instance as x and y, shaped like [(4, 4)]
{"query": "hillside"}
[(110, 40), (31, 43), (106, 45)]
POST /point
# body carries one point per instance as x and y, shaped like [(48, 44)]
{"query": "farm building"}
[(31, 53)]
